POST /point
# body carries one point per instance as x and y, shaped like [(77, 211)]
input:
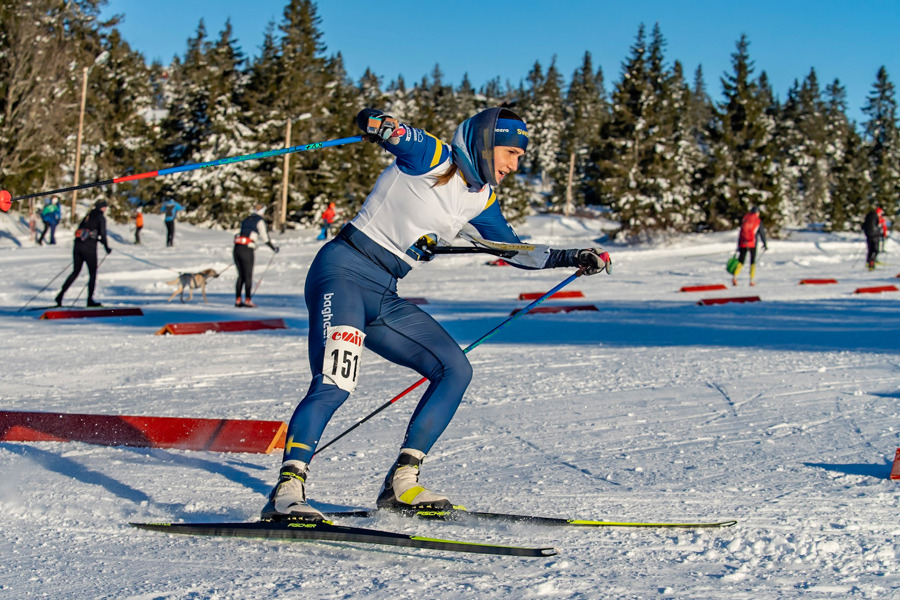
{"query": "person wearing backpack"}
[(170, 209), (751, 229), (253, 230), (50, 216), (91, 230)]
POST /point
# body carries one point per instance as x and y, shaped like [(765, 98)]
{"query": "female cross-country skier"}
[(429, 193)]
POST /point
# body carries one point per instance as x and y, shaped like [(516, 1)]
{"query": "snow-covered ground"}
[(782, 414)]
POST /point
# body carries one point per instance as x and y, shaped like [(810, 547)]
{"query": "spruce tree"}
[(585, 114), (743, 147), (883, 141), (118, 134), (847, 168)]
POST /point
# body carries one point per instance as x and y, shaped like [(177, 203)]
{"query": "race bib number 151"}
[(343, 354)]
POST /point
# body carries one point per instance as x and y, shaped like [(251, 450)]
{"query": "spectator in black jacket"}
[(91, 230), (873, 230)]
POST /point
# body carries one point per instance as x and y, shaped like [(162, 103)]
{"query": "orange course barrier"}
[(221, 326), (557, 309), (876, 290), (709, 301), (66, 313), (704, 288), (817, 281), (564, 294), (213, 435)]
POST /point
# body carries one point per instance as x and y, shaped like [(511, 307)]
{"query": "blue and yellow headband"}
[(511, 132)]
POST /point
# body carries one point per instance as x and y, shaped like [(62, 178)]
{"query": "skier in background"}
[(882, 223), (429, 193), (138, 224), (873, 232), (91, 230), (170, 209), (751, 229), (253, 229), (50, 216), (327, 219)]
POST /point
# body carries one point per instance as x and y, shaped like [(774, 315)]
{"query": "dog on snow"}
[(190, 282)]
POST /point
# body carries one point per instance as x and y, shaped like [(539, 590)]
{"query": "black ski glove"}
[(108, 249), (594, 260), (273, 247), (378, 127)]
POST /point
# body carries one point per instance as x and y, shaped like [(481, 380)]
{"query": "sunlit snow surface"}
[(782, 414)]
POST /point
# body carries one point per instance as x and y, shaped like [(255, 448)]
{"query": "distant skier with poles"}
[(751, 229), (429, 193), (253, 230), (91, 231), (170, 209)]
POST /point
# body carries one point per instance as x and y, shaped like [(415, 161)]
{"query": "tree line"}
[(655, 149)]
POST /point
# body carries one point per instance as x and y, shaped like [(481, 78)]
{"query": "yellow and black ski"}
[(459, 513), (291, 530)]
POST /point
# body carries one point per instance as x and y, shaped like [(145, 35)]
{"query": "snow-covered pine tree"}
[(685, 159), (743, 146), (883, 142), (118, 136), (847, 167), (542, 109), (586, 111)]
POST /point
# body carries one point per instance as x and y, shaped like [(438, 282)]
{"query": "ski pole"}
[(471, 347), (258, 283), (55, 277), (152, 264), (85, 285), (191, 167)]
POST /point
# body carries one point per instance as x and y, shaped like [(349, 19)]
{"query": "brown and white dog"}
[(190, 282)]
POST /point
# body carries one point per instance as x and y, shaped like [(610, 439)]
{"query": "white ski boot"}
[(288, 499), (401, 489)]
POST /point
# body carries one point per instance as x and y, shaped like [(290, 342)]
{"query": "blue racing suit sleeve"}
[(494, 227)]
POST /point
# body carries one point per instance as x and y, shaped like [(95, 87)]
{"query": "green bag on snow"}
[(732, 264)]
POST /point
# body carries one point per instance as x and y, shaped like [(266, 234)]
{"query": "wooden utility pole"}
[(282, 213), (569, 207), (84, 76)]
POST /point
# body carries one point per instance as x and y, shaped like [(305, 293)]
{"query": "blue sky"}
[(840, 39)]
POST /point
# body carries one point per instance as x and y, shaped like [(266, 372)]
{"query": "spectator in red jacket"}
[(328, 216), (751, 229)]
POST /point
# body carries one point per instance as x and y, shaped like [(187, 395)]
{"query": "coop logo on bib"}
[(343, 354)]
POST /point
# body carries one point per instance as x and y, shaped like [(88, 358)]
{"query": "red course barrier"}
[(563, 294), (704, 288), (558, 309), (213, 435), (895, 470), (817, 281), (77, 313), (221, 326), (708, 301), (876, 290)]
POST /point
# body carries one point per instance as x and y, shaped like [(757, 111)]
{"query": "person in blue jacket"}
[(430, 193), (50, 215), (170, 209)]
